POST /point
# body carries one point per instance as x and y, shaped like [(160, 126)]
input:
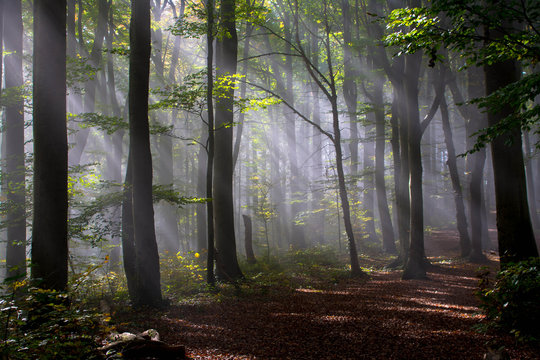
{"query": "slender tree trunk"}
[(389, 244), (49, 230), (14, 127), (464, 240), (248, 240), (148, 291)]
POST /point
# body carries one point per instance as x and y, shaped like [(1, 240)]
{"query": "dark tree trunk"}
[(14, 128), (49, 230), (248, 240), (210, 259), (514, 229), (148, 291), (226, 54), (415, 265)]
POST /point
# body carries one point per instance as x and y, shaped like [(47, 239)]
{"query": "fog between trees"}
[(322, 127)]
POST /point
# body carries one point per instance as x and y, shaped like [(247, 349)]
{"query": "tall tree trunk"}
[(389, 244), (476, 161), (514, 229), (14, 127), (148, 291), (415, 265), (464, 241), (226, 54), (49, 230)]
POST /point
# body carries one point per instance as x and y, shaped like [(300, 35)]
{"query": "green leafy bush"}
[(513, 303), (44, 324)]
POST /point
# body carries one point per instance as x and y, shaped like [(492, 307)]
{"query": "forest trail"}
[(383, 318)]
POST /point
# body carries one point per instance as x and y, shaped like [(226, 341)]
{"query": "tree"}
[(226, 54), (147, 291), (489, 37), (14, 127), (49, 230)]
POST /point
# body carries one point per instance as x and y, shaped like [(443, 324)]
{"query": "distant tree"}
[(14, 128), (49, 230), (147, 291), (226, 57)]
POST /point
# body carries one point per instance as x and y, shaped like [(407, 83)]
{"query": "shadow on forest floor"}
[(382, 318)]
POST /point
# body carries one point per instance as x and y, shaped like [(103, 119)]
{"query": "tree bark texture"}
[(514, 229), (148, 291), (415, 265), (226, 54), (49, 230)]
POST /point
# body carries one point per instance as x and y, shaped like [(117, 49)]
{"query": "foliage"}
[(512, 304), (42, 324), (483, 33), (183, 274)]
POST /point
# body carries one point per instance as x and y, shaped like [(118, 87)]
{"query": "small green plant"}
[(44, 324), (512, 303)]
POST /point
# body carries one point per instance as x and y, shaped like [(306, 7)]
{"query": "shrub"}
[(43, 324), (513, 302)]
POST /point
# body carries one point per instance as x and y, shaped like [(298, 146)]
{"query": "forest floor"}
[(382, 317)]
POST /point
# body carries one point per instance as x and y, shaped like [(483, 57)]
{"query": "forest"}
[(269, 179)]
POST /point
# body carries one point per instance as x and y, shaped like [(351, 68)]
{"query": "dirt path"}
[(383, 318)]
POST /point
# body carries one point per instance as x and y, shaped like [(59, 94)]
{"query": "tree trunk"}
[(464, 241), (211, 256), (389, 245), (148, 291), (415, 265), (248, 240), (514, 229), (14, 127), (226, 54), (49, 230)]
